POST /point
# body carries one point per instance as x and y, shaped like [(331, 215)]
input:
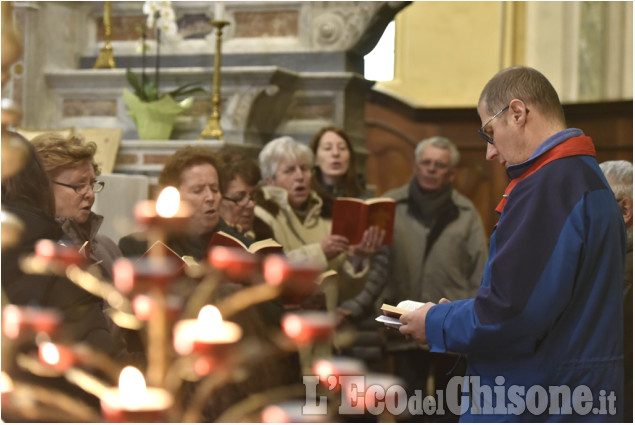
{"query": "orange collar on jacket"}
[(579, 145)]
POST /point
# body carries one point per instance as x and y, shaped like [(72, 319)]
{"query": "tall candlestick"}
[(213, 129), (106, 58)]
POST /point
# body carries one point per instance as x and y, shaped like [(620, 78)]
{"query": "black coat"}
[(84, 320)]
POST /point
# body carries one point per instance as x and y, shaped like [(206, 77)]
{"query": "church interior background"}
[(292, 67), (288, 68)]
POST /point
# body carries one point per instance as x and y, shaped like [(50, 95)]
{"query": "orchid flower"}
[(162, 18)]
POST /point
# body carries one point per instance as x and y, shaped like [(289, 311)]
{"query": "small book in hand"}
[(352, 216), (161, 250), (391, 314), (265, 246)]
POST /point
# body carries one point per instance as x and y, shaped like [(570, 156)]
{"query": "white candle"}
[(168, 213), (208, 333), (132, 401), (218, 10), (168, 202), (132, 388), (6, 387)]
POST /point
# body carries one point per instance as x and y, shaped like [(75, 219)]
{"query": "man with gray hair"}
[(619, 175), (439, 250)]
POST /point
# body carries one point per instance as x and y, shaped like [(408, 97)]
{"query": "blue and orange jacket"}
[(549, 308)]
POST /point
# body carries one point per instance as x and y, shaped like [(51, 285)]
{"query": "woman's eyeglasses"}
[(242, 200), (81, 189)]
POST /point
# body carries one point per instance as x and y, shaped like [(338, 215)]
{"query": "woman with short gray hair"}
[(294, 212)]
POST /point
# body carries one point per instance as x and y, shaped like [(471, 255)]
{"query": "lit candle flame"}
[(293, 326), (324, 369), (168, 202), (209, 325), (132, 388), (6, 383), (50, 353), (11, 322), (209, 316), (45, 248)]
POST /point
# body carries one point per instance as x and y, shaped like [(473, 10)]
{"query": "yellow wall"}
[(446, 51), (453, 54)]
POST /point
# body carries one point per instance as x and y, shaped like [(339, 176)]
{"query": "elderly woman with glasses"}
[(71, 167)]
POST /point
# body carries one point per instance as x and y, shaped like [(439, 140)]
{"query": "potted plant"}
[(154, 112)]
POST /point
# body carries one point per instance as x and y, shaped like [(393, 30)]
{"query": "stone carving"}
[(341, 25)]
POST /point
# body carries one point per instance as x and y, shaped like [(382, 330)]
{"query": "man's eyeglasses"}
[(487, 138), (242, 200), (82, 189)]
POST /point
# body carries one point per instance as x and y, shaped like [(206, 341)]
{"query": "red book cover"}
[(352, 216)]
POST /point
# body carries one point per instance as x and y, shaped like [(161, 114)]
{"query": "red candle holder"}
[(291, 412), (236, 263), (167, 213), (330, 371), (309, 326), (51, 252), (132, 401), (144, 274), (298, 280), (145, 307), (57, 356), (17, 320)]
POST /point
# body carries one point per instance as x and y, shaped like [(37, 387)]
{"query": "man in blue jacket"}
[(543, 336)]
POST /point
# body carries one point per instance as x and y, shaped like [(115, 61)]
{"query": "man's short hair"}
[(184, 158), (620, 176), (442, 143), (526, 84)]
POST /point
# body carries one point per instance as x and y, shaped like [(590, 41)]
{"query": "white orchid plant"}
[(161, 18)]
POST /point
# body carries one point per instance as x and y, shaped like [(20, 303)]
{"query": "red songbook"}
[(352, 216)]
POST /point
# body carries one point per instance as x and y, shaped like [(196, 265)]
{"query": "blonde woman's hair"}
[(58, 152)]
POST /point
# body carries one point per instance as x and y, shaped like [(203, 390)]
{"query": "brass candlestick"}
[(105, 58), (213, 129)]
